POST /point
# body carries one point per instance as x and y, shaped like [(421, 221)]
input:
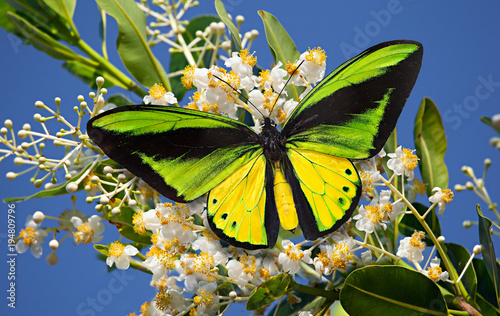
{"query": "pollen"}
[(116, 249), (270, 97), (281, 116), (84, 234), (264, 273), (342, 255), (294, 254), (420, 187), (367, 183), (264, 76), (249, 264), (157, 91), (375, 214), (138, 223), (188, 76), (416, 240), (163, 301), (409, 159), (447, 195), (316, 55), (204, 298), (28, 235), (232, 79), (247, 58), (434, 273), (292, 68)]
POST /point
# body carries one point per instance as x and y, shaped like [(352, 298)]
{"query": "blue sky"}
[(460, 72)]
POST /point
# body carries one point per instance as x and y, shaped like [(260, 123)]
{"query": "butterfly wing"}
[(241, 210), (352, 112), (181, 153)]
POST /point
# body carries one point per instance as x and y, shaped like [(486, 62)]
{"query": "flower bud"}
[(477, 249), (8, 123), (38, 217), (39, 104), (52, 259), (54, 244), (71, 187)]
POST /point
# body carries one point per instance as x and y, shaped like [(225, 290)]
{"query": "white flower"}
[(120, 255), (441, 197), (159, 96), (412, 247), (219, 97), (291, 257), (89, 231), (333, 257), (241, 63), (378, 214), (206, 300), (305, 313), (244, 269), (403, 161), (313, 68), (434, 272), (31, 237), (367, 257), (370, 177)]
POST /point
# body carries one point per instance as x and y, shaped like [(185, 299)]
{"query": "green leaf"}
[(235, 34), (282, 46), (485, 288), (4, 20), (376, 290), (41, 40), (459, 256), (65, 8), (269, 291), (132, 42), (178, 61), (104, 249), (409, 223), (488, 252), (430, 142), (119, 100), (487, 121), (292, 309), (87, 73)]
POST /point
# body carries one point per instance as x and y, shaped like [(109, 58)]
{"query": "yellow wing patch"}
[(329, 183), (237, 205)]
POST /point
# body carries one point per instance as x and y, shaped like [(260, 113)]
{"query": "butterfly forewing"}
[(352, 112), (179, 152)]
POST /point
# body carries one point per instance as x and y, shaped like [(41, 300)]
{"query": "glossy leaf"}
[(104, 249), (269, 291), (459, 256), (292, 309), (486, 120), (119, 100), (430, 142), (132, 42), (488, 253), (376, 290), (235, 34), (5, 23), (65, 8), (409, 223), (485, 288), (178, 61), (88, 73), (41, 40), (282, 46)]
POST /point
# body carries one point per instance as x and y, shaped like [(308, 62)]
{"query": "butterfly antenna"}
[(239, 93), (286, 84)]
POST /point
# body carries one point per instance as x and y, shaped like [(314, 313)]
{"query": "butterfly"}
[(299, 175)]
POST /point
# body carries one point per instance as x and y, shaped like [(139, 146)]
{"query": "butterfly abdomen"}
[(284, 200)]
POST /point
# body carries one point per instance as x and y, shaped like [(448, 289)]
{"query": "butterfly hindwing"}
[(326, 190), (352, 112), (181, 153), (242, 210)]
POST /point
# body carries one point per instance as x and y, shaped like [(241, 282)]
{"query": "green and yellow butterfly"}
[(299, 175)]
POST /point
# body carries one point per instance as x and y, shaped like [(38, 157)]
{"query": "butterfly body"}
[(299, 175)]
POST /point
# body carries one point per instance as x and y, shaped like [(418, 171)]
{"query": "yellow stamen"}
[(316, 55), (447, 195), (157, 91), (293, 253), (188, 76), (419, 186), (292, 68), (28, 235), (409, 160), (138, 223), (415, 240), (247, 58), (434, 273), (116, 249)]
